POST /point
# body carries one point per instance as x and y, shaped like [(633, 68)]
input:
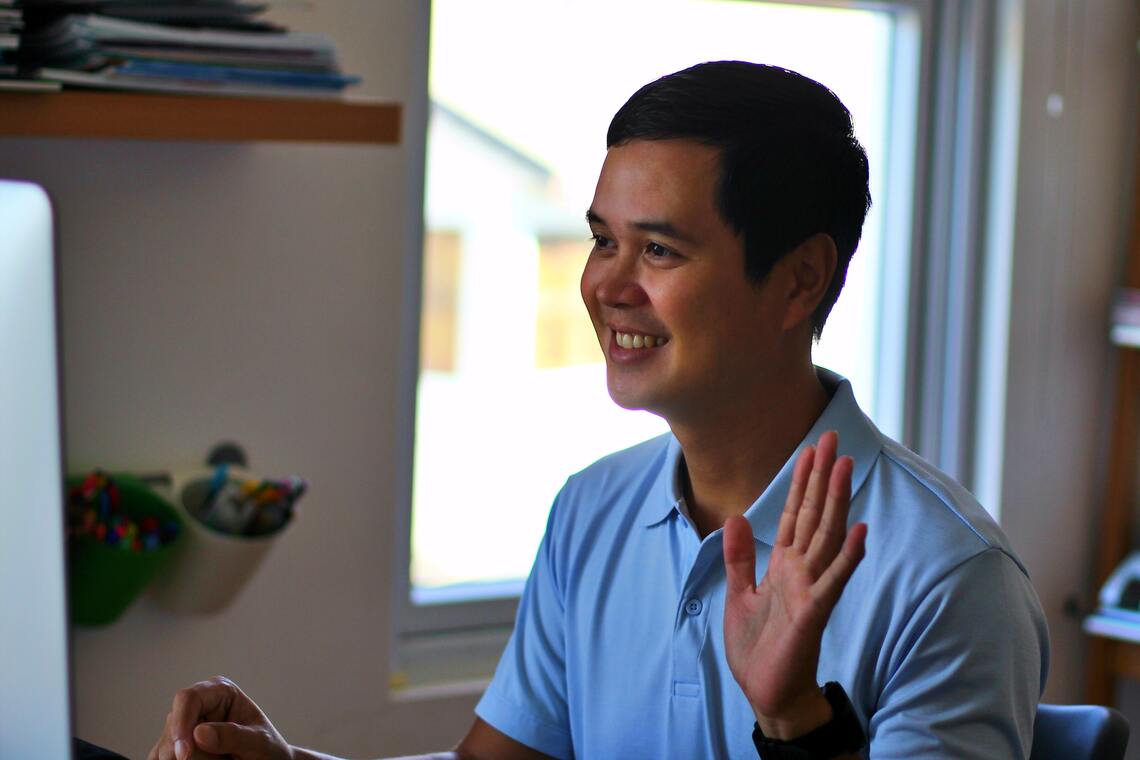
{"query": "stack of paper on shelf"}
[(236, 15), (187, 46)]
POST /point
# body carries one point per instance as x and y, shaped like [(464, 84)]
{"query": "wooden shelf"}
[(131, 116), (1109, 660), (1109, 657)]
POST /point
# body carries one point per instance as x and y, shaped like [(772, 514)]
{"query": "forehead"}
[(672, 179)]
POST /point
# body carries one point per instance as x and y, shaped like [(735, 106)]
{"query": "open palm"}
[(772, 632)]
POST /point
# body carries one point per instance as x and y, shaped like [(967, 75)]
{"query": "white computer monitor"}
[(35, 699)]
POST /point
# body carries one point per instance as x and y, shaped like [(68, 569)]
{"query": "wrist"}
[(806, 714), (841, 736)]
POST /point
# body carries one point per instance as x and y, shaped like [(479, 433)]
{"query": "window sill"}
[(446, 690), (433, 666)]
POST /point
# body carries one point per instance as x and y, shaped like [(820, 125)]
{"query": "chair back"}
[(1079, 732)]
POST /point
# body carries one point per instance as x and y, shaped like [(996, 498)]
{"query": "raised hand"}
[(772, 632), (215, 717)]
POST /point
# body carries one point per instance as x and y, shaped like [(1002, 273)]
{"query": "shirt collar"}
[(665, 496), (858, 438)]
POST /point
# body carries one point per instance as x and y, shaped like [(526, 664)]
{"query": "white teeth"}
[(631, 340)]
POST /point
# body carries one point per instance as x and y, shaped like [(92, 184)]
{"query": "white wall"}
[(250, 292)]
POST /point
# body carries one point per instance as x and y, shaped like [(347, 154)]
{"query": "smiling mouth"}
[(637, 340)]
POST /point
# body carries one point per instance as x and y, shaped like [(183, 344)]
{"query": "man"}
[(729, 205)]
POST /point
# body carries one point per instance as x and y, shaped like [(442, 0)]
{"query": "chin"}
[(625, 399), (634, 400), (632, 406)]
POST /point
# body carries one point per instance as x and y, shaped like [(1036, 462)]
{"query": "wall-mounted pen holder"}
[(220, 552), (121, 533)]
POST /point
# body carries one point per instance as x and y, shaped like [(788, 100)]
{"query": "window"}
[(564, 338), (511, 396)]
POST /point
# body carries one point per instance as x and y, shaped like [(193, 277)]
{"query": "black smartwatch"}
[(841, 735)]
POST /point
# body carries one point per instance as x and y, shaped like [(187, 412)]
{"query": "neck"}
[(732, 455)]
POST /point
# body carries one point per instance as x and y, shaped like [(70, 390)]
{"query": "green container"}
[(106, 579)]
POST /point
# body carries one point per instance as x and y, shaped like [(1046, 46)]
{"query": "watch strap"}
[(840, 735)]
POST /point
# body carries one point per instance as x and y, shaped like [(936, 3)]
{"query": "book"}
[(93, 50), (28, 85), (216, 14), (113, 31), (205, 73), (110, 80), (55, 42), (271, 59)]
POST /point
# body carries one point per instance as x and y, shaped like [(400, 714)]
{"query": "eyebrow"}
[(660, 226)]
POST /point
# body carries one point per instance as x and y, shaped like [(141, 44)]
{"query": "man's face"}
[(683, 330)]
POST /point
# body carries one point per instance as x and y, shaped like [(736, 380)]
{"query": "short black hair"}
[(790, 165)]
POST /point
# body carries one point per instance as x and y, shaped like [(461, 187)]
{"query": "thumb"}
[(228, 739), (739, 555)]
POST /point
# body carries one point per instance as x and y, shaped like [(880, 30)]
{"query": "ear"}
[(810, 268)]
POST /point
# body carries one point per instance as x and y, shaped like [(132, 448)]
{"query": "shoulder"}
[(939, 598), (601, 503), (927, 536), (916, 505), (626, 476)]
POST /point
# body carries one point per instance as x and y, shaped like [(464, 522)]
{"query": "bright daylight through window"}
[(512, 395)]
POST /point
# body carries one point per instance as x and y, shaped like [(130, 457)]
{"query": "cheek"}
[(588, 285), (709, 320), (679, 305)]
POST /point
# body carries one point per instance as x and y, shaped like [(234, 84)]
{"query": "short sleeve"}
[(968, 669), (526, 699)]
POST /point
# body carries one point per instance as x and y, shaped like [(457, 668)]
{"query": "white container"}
[(208, 567)]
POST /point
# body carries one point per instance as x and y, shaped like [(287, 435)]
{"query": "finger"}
[(828, 538), (153, 754), (228, 739), (164, 748), (800, 473), (739, 556), (168, 749), (830, 585), (816, 492), (205, 700)]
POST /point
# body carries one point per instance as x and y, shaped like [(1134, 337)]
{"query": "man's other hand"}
[(215, 717), (772, 632)]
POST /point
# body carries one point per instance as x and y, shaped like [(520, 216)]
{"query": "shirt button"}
[(694, 607)]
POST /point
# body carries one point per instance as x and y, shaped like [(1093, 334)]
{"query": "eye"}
[(600, 241), (658, 251)]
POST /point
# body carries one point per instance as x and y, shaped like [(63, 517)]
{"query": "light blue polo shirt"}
[(618, 649)]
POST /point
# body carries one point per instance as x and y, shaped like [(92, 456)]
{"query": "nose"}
[(614, 282)]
